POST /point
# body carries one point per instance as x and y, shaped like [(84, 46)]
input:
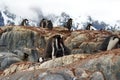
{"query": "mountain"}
[(80, 22), (1, 20), (9, 18)]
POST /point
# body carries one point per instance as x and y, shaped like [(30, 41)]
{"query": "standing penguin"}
[(43, 23), (110, 42), (55, 47), (68, 24), (24, 22), (50, 25), (88, 26)]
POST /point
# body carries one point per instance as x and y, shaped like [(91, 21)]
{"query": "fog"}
[(103, 10)]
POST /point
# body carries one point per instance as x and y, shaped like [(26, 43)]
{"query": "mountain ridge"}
[(9, 18)]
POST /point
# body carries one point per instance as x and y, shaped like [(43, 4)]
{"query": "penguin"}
[(110, 43), (44, 23), (68, 24), (90, 27), (55, 48), (24, 22), (50, 25)]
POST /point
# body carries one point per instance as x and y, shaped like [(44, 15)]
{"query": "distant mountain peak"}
[(9, 14), (1, 19), (80, 22)]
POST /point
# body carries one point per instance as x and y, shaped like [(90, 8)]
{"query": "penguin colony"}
[(55, 45)]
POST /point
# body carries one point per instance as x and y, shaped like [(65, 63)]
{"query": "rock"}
[(20, 66), (81, 74), (97, 76), (34, 56), (86, 41), (50, 76), (62, 61), (19, 53), (7, 58), (13, 68), (20, 37), (77, 51), (82, 64), (6, 62), (100, 66), (89, 47)]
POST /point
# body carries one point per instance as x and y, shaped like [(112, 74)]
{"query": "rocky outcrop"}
[(85, 41), (21, 47), (62, 61), (100, 66), (19, 37)]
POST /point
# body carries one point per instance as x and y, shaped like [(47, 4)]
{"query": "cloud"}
[(38, 12), (106, 10)]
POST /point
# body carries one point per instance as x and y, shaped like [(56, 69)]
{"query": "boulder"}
[(100, 66), (7, 58)]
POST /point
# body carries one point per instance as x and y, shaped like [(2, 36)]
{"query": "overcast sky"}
[(106, 10)]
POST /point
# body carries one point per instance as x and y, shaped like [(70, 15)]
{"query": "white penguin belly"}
[(112, 43)]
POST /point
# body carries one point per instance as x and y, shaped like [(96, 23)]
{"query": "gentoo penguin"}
[(110, 42), (68, 24), (50, 25), (24, 22), (90, 27), (55, 47), (44, 23)]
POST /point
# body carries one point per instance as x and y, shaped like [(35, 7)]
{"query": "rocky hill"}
[(84, 63)]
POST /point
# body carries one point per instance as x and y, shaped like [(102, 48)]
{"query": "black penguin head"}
[(43, 19), (89, 24), (25, 19), (114, 37), (71, 19), (59, 38), (49, 21)]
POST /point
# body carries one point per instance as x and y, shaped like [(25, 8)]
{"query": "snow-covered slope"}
[(79, 22), (9, 18), (1, 20)]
